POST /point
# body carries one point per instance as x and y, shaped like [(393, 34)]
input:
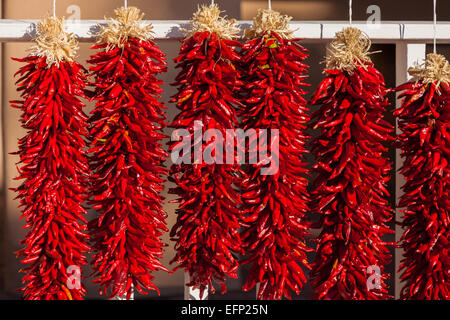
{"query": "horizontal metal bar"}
[(85, 30)]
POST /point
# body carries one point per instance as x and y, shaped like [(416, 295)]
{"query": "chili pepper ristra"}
[(424, 122), (277, 200), (127, 156), (208, 217), (53, 165), (349, 191)]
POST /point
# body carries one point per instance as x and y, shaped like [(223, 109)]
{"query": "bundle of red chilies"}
[(229, 213), (349, 191), (276, 198), (424, 119), (209, 214), (54, 165), (126, 156)]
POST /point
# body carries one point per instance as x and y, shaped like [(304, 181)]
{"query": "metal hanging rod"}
[(386, 32)]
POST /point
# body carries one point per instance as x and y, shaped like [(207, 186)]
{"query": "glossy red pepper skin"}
[(424, 141), (55, 171), (127, 164), (276, 224), (349, 191), (208, 217)]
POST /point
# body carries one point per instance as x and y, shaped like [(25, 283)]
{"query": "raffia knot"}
[(435, 69), (207, 18), (125, 25), (349, 50), (269, 20), (53, 42)]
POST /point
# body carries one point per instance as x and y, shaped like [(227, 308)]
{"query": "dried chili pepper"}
[(53, 165), (349, 191), (208, 217), (127, 157), (424, 121), (274, 238)]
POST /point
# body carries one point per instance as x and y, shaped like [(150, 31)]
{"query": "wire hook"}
[(434, 25), (350, 11)]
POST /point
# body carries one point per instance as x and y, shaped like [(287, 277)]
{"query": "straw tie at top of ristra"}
[(53, 42), (207, 18), (126, 24), (349, 50), (435, 69), (269, 20)]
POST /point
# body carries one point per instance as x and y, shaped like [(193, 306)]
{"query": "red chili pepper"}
[(54, 169), (423, 120), (349, 191), (209, 215), (127, 163)]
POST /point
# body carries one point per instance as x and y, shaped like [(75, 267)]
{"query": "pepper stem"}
[(125, 25), (269, 20), (207, 18), (435, 69), (53, 42), (349, 50)]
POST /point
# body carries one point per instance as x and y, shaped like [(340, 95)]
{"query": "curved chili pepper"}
[(423, 119), (349, 191), (275, 237), (127, 157), (55, 171)]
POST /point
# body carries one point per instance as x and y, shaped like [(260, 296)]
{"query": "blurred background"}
[(171, 286)]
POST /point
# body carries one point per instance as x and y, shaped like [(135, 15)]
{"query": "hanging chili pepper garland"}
[(424, 120), (350, 188), (127, 156), (275, 237), (208, 219), (53, 165)]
